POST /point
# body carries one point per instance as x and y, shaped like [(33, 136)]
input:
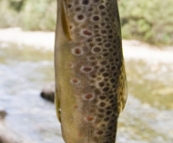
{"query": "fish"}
[(91, 87)]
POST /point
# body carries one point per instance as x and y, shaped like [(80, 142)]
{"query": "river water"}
[(24, 71)]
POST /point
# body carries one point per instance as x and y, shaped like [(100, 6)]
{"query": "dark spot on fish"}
[(110, 36), (108, 66), (110, 127), (113, 68), (108, 108), (106, 89), (111, 96), (97, 121), (111, 50), (115, 74), (107, 26), (102, 104), (91, 44), (91, 58), (96, 0), (101, 84), (105, 74), (108, 112), (91, 110), (102, 70), (89, 96), (107, 19), (100, 132), (92, 75), (103, 31), (113, 80), (103, 13), (98, 39), (101, 110), (96, 18), (102, 97), (112, 101), (77, 51), (110, 31), (103, 62), (100, 44), (111, 59), (106, 119), (100, 116), (96, 49), (115, 41), (107, 142), (90, 9), (87, 32), (76, 106), (103, 125), (96, 26), (89, 118), (105, 54), (80, 17), (69, 5), (104, 50), (97, 91), (107, 45), (75, 81), (102, 24), (69, 65), (85, 2), (115, 53), (101, 6), (97, 35), (86, 68), (78, 9), (90, 40)]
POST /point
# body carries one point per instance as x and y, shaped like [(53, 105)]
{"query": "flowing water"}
[(24, 71)]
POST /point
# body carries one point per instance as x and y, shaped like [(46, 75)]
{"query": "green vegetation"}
[(28, 14), (149, 21)]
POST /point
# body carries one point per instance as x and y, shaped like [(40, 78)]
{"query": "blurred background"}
[(26, 67), (149, 21)]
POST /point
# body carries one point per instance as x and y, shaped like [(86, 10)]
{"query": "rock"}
[(3, 114), (48, 92)]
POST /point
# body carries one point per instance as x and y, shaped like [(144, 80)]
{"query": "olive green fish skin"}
[(89, 69)]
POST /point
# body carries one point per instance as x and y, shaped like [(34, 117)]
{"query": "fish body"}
[(89, 70)]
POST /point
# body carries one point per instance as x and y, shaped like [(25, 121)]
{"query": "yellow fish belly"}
[(89, 70)]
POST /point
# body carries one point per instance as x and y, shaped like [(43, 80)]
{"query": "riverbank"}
[(45, 40)]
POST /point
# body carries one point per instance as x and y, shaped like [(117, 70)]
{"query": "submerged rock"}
[(48, 92)]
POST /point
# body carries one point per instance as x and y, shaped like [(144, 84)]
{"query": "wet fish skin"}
[(89, 70)]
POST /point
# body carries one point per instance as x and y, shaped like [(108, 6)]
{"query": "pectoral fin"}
[(64, 19)]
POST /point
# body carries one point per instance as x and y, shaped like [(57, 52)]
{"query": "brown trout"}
[(89, 70)]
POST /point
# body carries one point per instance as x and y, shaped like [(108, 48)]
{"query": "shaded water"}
[(24, 71)]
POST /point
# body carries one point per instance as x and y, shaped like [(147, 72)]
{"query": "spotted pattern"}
[(77, 51), (99, 70)]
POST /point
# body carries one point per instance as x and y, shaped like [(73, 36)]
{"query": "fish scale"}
[(89, 70)]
